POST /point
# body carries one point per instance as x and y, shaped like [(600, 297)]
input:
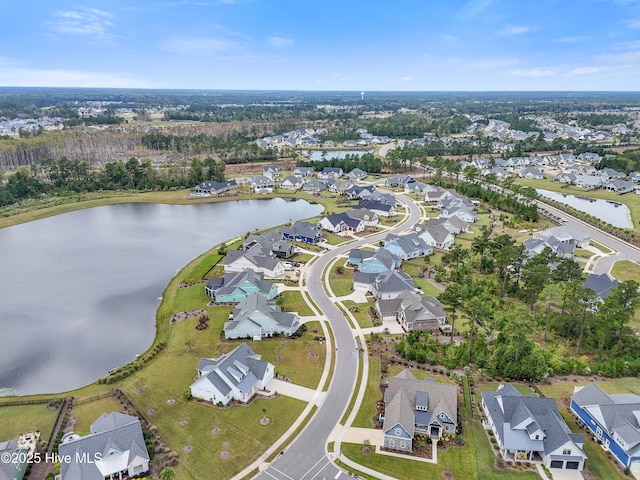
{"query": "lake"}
[(616, 214), (81, 289), (316, 155)]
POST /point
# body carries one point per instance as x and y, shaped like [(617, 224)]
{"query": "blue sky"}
[(407, 45)]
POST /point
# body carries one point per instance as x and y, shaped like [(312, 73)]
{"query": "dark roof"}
[(601, 284)]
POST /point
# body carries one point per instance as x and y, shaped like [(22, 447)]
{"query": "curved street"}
[(306, 457)]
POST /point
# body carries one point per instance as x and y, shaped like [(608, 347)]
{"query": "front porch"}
[(513, 456)]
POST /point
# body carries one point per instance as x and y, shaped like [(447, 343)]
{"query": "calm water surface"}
[(616, 215), (80, 290)]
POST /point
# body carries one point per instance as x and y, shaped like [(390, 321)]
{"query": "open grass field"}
[(17, 420), (426, 286), (419, 374), (293, 302), (341, 285), (87, 413), (564, 390), (626, 270), (603, 248), (362, 313)]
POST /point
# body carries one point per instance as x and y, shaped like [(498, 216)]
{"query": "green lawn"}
[(426, 286), (294, 302), (17, 420), (371, 395), (626, 270), (582, 253), (394, 370), (203, 268), (87, 413), (492, 387), (603, 248), (341, 285), (362, 313)]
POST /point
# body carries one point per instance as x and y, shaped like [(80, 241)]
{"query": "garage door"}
[(557, 464), (573, 465)]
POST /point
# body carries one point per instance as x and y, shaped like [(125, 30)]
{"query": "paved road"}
[(305, 458), (625, 250)]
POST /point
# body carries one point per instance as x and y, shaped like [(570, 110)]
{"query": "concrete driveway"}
[(295, 391), (559, 474)]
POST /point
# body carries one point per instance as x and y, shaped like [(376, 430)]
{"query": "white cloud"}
[(634, 23), (201, 46), (407, 78), (85, 21), (582, 71), (515, 30), (532, 73), (279, 42), (449, 38), (21, 76)]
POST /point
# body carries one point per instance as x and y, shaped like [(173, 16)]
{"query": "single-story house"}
[(236, 375), (453, 224), (601, 284), (256, 317), (576, 237), (399, 180), (530, 429), (531, 172), (614, 419), (305, 232), (368, 217), (435, 236), (304, 172), (330, 172), (115, 448), (237, 286), (256, 258), (414, 312), (16, 468), (356, 175), (314, 185), (407, 246), (413, 407), (382, 260), (379, 208), (341, 222), (215, 188)]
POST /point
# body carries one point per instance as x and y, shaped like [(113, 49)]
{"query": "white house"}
[(236, 375), (256, 258), (115, 448)]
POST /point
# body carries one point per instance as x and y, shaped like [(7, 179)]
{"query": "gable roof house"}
[(340, 186), (330, 172), (236, 287), (381, 197), (270, 240), (459, 206), (383, 210), (215, 188), (436, 236), (368, 217), (601, 284), (418, 188), (530, 429), (591, 182), (414, 312), (575, 237), (564, 177), (613, 419), (390, 284), (413, 407), (236, 375), (271, 171), (291, 182), (453, 224), (256, 258), (531, 172), (262, 184), (620, 186), (407, 246), (438, 194), (356, 175), (399, 180), (305, 232), (304, 172), (314, 185), (15, 469), (115, 447), (256, 317), (382, 260), (341, 222)]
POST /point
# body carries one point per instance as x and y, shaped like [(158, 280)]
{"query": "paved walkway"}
[(295, 391), (636, 474)]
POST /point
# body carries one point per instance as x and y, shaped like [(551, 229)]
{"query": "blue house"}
[(381, 261), (613, 419), (407, 246), (304, 232), (236, 287)]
